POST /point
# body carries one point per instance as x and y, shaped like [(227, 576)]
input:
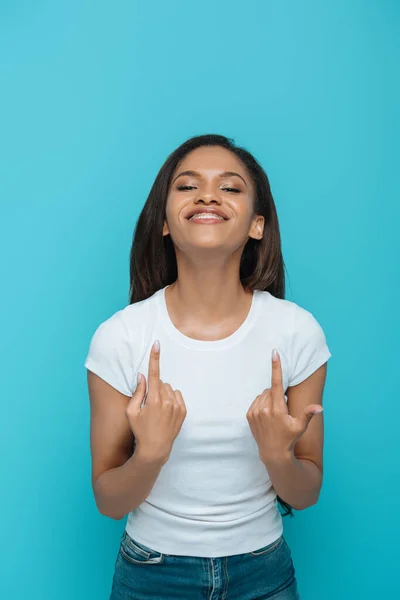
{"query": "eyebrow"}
[(196, 174)]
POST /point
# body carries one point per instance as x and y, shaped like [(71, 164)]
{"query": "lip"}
[(206, 221), (213, 211)]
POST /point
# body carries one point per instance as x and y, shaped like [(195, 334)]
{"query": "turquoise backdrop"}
[(94, 95)]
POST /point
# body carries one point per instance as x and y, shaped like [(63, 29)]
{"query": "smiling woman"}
[(200, 454)]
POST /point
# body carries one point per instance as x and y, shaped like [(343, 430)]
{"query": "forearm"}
[(121, 489), (297, 481)]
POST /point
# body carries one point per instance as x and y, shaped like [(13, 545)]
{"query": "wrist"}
[(147, 457), (280, 458)]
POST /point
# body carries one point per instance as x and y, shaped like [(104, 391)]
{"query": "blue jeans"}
[(144, 574)]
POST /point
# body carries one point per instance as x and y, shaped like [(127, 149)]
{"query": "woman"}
[(227, 423)]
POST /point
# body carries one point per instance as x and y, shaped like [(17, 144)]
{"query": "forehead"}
[(212, 160)]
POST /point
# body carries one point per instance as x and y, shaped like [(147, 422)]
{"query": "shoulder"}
[(116, 346), (280, 310), (124, 328), (288, 311), (301, 337), (132, 317), (294, 322), (304, 323)]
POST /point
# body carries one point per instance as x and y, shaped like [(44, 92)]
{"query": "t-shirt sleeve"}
[(110, 354), (309, 349)]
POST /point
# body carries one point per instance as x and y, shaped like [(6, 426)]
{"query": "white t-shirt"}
[(213, 497)]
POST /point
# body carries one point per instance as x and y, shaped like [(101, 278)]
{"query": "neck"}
[(211, 294)]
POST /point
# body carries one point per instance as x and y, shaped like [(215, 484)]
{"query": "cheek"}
[(173, 217), (173, 207), (169, 214), (244, 215)]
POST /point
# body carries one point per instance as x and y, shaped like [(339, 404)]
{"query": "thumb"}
[(309, 412)]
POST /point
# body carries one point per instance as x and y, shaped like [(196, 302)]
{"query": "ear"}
[(257, 227), (165, 230)]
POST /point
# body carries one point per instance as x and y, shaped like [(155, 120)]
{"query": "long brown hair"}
[(152, 256)]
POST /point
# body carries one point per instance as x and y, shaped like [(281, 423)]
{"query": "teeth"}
[(205, 216)]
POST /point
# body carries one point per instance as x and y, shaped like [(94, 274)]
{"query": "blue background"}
[(94, 95)]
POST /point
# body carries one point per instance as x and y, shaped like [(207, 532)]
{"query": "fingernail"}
[(139, 377), (156, 346), (317, 411), (274, 355)]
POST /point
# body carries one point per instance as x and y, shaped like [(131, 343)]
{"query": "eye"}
[(192, 187), (235, 190)]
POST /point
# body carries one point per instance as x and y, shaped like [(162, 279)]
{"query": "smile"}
[(207, 218)]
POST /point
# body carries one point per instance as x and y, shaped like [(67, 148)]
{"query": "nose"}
[(207, 197)]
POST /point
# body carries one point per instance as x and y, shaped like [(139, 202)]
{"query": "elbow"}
[(116, 517), (303, 506), (299, 506), (102, 507), (311, 501), (106, 513)]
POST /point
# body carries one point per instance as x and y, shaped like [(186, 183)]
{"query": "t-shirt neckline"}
[(189, 342)]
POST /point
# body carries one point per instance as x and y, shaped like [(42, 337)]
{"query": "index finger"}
[(154, 368)]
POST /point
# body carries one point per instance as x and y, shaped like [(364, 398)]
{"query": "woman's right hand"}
[(155, 425)]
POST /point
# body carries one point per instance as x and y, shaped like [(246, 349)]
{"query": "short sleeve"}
[(309, 348), (110, 354)]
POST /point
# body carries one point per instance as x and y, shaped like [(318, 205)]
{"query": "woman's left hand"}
[(274, 430)]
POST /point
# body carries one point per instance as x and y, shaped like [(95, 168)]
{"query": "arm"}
[(296, 480), (297, 476), (120, 480), (121, 489)]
